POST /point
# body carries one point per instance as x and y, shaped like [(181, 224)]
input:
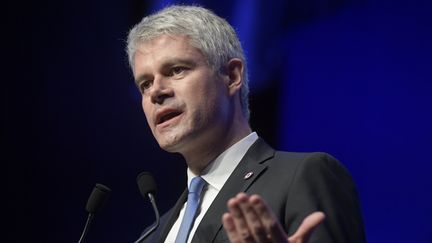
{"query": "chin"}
[(169, 144), (176, 143), (167, 147)]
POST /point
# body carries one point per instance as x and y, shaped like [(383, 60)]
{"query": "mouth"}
[(166, 116)]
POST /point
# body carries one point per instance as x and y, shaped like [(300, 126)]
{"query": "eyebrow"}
[(176, 61), (168, 64)]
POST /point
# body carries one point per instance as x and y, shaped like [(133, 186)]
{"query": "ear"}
[(234, 69)]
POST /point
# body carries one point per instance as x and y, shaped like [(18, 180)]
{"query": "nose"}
[(160, 91)]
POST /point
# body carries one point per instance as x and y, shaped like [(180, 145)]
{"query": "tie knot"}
[(196, 185)]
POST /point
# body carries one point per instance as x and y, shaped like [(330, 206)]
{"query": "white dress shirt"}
[(216, 174)]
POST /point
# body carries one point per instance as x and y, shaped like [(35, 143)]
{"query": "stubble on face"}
[(195, 92)]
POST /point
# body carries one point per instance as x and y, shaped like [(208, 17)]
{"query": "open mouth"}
[(168, 116)]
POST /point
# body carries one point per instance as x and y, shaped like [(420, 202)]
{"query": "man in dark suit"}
[(190, 69)]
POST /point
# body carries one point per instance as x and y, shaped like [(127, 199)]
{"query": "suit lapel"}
[(173, 217), (252, 162)]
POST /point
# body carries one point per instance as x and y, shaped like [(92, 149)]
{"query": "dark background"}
[(351, 78)]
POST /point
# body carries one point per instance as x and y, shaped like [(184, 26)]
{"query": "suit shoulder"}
[(304, 155), (314, 158), (310, 163)]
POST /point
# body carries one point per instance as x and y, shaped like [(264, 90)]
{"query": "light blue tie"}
[(195, 189)]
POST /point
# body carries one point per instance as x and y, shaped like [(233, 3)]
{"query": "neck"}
[(201, 156)]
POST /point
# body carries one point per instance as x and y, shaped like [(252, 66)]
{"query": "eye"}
[(144, 85), (177, 70)]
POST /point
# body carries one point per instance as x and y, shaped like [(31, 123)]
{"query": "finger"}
[(307, 227), (271, 224), (253, 221), (239, 220), (228, 224)]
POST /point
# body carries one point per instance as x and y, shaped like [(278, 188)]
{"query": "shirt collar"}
[(218, 171)]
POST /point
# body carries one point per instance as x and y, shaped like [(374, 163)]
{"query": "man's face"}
[(185, 102)]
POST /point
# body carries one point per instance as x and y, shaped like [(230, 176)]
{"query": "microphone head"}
[(146, 184), (97, 198)]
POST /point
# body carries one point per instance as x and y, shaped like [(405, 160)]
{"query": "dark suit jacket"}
[(293, 185)]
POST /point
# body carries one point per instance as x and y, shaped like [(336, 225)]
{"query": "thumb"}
[(307, 227)]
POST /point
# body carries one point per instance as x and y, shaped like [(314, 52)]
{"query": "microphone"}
[(95, 202), (147, 187)]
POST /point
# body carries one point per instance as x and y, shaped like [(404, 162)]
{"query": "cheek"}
[(147, 112), (207, 106), (201, 101)]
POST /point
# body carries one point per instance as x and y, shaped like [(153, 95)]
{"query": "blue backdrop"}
[(347, 77)]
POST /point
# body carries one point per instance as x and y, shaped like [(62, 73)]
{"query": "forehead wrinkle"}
[(163, 61), (188, 54), (165, 50), (169, 40)]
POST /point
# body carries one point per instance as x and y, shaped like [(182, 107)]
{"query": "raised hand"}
[(249, 219)]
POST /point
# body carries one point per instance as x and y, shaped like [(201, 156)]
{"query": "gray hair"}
[(209, 33)]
